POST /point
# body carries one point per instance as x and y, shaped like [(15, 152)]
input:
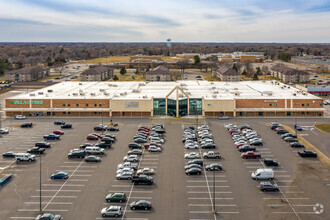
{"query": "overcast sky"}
[(155, 21)]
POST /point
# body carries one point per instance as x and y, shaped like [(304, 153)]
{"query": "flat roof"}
[(146, 90)]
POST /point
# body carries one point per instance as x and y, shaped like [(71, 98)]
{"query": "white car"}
[(145, 171), (192, 155), (240, 142), (126, 170), (255, 139), (20, 117), (154, 149), (131, 158), (203, 127), (207, 141), (4, 131), (191, 146)]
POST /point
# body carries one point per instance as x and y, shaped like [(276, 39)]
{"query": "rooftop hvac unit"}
[(115, 95), (288, 87), (115, 85), (145, 96), (282, 87), (135, 91), (80, 84), (93, 94), (215, 92), (101, 90), (237, 93), (49, 90), (142, 84), (294, 94), (214, 96), (304, 93), (181, 95), (214, 88), (82, 94), (188, 93), (109, 84), (32, 94), (235, 88), (74, 94), (212, 83), (40, 93), (270, 93), (106, 93)]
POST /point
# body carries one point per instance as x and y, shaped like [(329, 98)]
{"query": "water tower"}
[(168, 43)]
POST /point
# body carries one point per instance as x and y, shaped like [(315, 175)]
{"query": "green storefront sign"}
[(20, 102)]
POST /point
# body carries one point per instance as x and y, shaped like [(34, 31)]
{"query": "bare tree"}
[(176, 75), (182, 64), (264, 69)]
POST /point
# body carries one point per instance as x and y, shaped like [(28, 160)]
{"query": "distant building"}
[(97, 73), (253, 57), (159, 73), (287, 74), (27, 74), (319, 90), (143, 57), (227, 74)]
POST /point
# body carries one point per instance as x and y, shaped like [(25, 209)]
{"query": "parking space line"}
[(83, 171), (22, 217), (47, 210), (68, 185), (61, 187), (208, 192), (207, 186), (81, 175), (203, 181), (215, 198), (208, 212), (63, 190), (121, 186), (294, 212), (70, 197), (223, 205), (138, 197), (283, 176), (53, 203), (286, 198)]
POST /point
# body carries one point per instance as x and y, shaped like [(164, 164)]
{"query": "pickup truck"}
[(36, 150), (250, 154), (25, 157), (76, 154), (143, 179), (52, 137), (211, 155), (127, 164)]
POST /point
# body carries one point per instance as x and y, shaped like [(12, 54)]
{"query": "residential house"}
[(159, 73), (227, 74), (27, 74), (97, 73), (287, 74)]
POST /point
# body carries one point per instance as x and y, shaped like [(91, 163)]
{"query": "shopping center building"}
[(178, 99)]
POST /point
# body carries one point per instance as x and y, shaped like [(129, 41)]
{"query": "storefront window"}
[(195, 106), (183, 107), (159, 107), (171, 107)]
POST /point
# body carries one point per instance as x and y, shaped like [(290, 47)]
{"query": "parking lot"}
[(303, 182)]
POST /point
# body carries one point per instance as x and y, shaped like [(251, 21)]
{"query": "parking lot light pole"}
[(40, 208)]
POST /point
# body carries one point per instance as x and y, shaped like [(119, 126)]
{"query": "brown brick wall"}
[(313, 103), (58, 103), (259, 103), (9, 105)]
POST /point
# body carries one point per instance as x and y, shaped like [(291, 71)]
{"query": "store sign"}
[(20, 102), (131, 104), (270, 100)]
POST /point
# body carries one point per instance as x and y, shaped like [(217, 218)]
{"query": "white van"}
[(157, 140), (94, 150), (263, 174)]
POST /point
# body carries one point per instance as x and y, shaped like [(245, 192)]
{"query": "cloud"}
[(182, 20)]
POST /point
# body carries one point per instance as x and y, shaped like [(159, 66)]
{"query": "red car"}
[(278, 128), (97, 135), (58, 132), (240, 144), (92, 137), (143, 128), (231, 132), (250, 154), (143, 132), (146, 145)]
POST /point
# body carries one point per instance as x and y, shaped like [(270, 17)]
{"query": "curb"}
[(320, 156), (320, 129)]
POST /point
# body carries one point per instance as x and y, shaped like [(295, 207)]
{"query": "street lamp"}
[(102, 116), (40, 194), (214, 210)]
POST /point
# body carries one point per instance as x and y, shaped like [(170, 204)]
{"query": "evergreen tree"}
[(123, 71), (255, 77), (115, 78)]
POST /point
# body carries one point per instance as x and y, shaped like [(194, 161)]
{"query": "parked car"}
[(256, 143), (100, 128), (154, 149), (268, 186), (92, 158), (135, 152), (134, 146), (193, 165), (125, 170), (36, 150), (246, 148), (103, 145), (192, 155), (141, 204), (193, 171), (116, 197), (196, 161), (140, 140), (211, 155), (275, 125), (281, 131), (145, 171), (223, 118), (112, 211), (263, 174), (250, 154), (48, 216), (52, 137), (4, 131), (124, 176), (191, 145), (113, 129), (58, 132), (131, 158), (92, 137), (75, 153), (66, 126), (270, 162), (9, 154), (20, 117), (142, 179), (59, 175), (213, 167), (85, 145), (42, 144), (296, 144), (26, 125), (290, 139), (94, 150), (288, 135), (307, 153), (127, 164), (59, 123)]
